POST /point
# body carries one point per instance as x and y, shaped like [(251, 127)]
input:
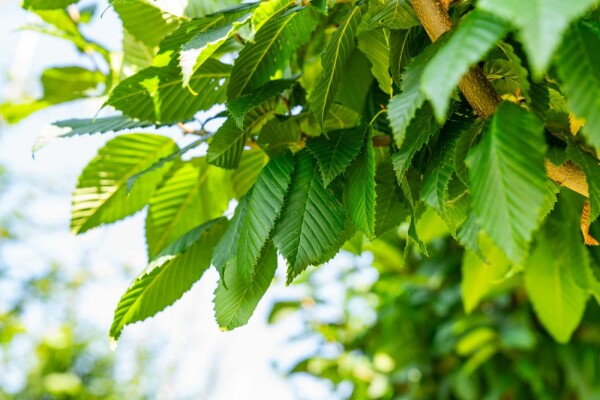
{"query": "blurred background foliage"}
[(401, 331)]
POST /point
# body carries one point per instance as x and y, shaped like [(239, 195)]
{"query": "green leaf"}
[(389, 210), (62, 84), (225, 149), (267, 10), (168, 276), (312, 221), (77, 127), (146, 22), (481, 277), (225, 250), (235, 304), (579, 69), (591, 168), (335, 153), (336, 56), (376, 46), (392, 14), (422, 128), (170, 158), (271, 50), (277, 136), (360, 190), (244, 176), (508, 178), (100, 196), (403, 107), (441, 166), (156, 93), (541, 24), (340, 117), (47, 4), (467, 45), (401, 50), (557, 299), (202, 46), (264, 207), (191, 195), (240, 106)]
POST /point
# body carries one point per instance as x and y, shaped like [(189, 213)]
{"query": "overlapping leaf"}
[(156, 93), (145, 21), (100, 196), (335, 153), (468, 44), (235, 304), (172, 273), (508, 178), (225, 250), (541, 24), (264, 207), (193, 194), (225, 149), (402, 107), (360, 190), (312, 222), (271, 50), (76, 127), (334, 59), (591, 168), (392, 14), (376, 46)]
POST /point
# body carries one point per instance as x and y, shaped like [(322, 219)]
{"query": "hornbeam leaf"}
[(549, 277), (312, 222), (156, 93), (271, 51), (467, 44), (403, 107), (144, 21), (190, 196), (335, 153), (195, 52), (100, 196), (393, 14), (172, 273), (441, 166), (244, 176), (541, 24), (277, 136), (267, 10), (225, 250), (235, 304), (264, 207), (76, 127), (168, 159), (579, 70), (376, 46), (240, 106), (422, 128), (336, 56), (389, 210), (360, 190), (508, 178), (225, 149)]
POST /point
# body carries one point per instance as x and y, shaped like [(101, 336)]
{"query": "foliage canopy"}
[(341, 122)]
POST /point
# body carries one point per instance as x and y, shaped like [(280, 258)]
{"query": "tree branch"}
[(482, 96)]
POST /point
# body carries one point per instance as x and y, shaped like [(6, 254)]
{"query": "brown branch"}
[(482, 96)]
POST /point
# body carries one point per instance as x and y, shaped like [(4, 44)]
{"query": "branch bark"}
[(482, 96)]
